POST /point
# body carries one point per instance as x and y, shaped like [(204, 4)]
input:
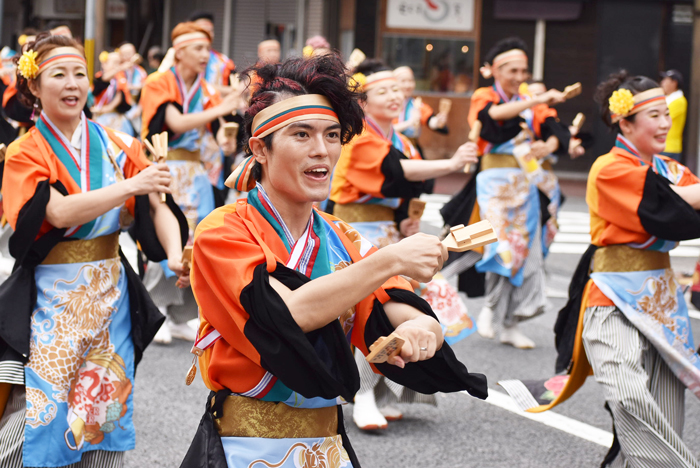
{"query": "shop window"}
[(439, 64)]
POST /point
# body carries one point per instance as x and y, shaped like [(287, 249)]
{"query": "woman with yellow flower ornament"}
[(75, 317), (627, 319)]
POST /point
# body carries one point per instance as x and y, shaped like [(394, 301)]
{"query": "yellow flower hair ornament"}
[(524, 89), (104, 55), (307, 51), (358, 80), (21, 40), (621, 102), (27, 66)]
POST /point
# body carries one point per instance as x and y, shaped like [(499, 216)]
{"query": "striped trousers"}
[(514, 304), (646, 399), (12, 438)]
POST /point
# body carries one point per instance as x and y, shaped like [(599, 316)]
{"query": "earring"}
[(35, 108)]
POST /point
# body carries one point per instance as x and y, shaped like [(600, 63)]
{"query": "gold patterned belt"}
[(182, 154), (250, 417), (499, 161), (622, 258), (84, 250), (361, 212)]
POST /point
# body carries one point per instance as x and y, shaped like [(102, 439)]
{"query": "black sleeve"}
[(157, 123), (395, 183), (123, 106), (99, 85), (553, 127), (442, 373), (495, 131), (18, 111), (568, 317), (664, 214), (315, 364), (146, 319), (18, 292), (144, 231), (8, 133), (459, 209)]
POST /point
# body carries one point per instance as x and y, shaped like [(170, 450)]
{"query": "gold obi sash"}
[(360, 212), (499, 161), (250, 417), (84, 250), (622, 258), (182, 154)]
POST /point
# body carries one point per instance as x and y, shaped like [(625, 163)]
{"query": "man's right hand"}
[(419, 256)]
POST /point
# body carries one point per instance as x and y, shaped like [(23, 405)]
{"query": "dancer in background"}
[(75, 317), (378, 173), (287, 289), (219, 67), (182, 103), (515, 280), (133, 73), (112, 99), (412, 119)]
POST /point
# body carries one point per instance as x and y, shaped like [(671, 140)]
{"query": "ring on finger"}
[(424, 349)]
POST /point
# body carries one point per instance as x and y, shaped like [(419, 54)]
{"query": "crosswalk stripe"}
[(552, 419)]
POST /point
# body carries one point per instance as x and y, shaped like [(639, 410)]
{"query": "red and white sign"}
[(441, 15)]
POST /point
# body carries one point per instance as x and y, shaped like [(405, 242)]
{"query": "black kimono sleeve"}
[(395, 183), (495, 131), (664, 214), (553, 127)]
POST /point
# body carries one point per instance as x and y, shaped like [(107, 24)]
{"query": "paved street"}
[(461, 431)]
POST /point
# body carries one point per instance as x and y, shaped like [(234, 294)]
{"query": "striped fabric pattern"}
[(12, 372), (646, 399), (12, 437)]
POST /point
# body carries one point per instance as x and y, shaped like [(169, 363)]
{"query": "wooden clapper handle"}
[(474, 138)]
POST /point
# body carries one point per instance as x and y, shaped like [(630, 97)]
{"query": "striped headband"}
[(283, 113), (190, 38), (378, 79), (642, 101), (402, 70), (62, 55), (508, 56)]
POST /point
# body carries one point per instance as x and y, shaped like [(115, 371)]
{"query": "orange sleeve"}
[(24, 169), (224, 258), (364, 170), (542, 112), (617, 192), (425, 113), (155, 93), (480, 99), (229, 67), (10, 91)]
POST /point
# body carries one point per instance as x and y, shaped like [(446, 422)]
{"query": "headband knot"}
[(27, 66), (241, 179)]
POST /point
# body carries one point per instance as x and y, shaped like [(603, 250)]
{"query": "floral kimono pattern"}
[(504, 194)]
